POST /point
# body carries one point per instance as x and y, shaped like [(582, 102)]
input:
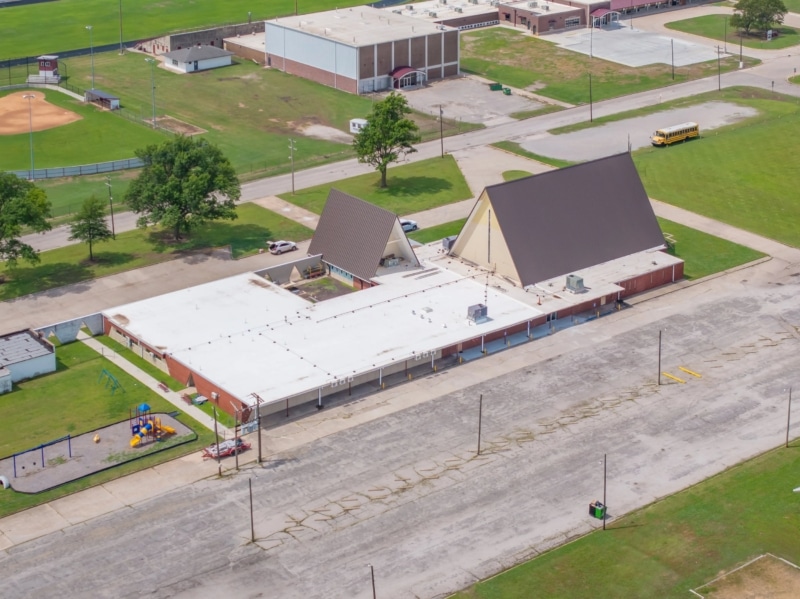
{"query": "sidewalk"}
[(152, 384)]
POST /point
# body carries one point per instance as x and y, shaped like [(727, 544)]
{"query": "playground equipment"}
[(144, 425)]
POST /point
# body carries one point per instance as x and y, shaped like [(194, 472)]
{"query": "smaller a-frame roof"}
[(353, 235)]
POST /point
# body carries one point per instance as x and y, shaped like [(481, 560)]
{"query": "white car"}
[(408, 225), (279, 247)]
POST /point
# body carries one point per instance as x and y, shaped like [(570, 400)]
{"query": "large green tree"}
[(388, 134), (22, 204), (89, 225), (758, 14), (185, 182)]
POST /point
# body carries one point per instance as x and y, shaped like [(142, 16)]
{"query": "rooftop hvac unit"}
[(459, 9), (533, 4), (447, 242), (433, 14), (443, 1), (575, 284), (546, 7), (478, 313)]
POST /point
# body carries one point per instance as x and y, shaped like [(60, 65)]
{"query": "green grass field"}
[(738, 174), (515, 148), (520, 61), (98, 137), (716, 27), (438, 232), (72, 401), (411, 188), (512, 175), (673, 545), (66, 195), (139, 248), (65, 21), (141, 363), (705, 254)]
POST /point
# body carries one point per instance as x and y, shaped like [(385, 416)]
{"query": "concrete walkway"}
[(153, 384)]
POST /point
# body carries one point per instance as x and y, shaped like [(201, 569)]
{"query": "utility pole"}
[(605, 477), (659, 357), (152, 62), (789, 417), (719, 69), (672, 47), (91, 51), (111, 206), (441, 129), (121, 46), (259, 401), (480, 422), (291, 157)]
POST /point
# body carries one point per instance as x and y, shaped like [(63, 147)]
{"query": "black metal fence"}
[(83, 169)]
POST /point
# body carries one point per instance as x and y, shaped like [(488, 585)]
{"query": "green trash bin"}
[(495, 87), (597, 510), (507, 91)]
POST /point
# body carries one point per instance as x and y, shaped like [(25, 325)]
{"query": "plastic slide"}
[(137, 438), (168, 429)]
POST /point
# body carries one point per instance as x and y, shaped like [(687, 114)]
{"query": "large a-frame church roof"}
[(353, 234), (561, 221)]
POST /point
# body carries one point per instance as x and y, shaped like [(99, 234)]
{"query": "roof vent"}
[(575, 284), (478, 313)]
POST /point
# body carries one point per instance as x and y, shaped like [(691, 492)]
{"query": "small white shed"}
[(197, 58), (356, 125)]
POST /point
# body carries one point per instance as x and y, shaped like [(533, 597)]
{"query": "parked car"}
[(279, 247), (408, 225)]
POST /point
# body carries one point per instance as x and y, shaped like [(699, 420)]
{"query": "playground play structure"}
[(145, 426)]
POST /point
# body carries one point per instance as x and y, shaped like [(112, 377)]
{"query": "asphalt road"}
[(406, 492)]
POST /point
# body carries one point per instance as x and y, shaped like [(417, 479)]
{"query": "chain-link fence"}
[(83, 169)]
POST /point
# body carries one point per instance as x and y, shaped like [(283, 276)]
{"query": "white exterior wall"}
[(202, 65), (5, 381), (33, 367), (318, 52)]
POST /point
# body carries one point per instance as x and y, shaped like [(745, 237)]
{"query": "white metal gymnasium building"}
[(362, 49)]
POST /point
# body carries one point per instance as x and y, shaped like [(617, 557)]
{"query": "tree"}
[(22, 204), (388, 134), (89, 225), (185, 182), (758, 14)]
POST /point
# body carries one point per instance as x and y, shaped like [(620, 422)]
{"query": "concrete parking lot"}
[(613, 138), (469, 99)]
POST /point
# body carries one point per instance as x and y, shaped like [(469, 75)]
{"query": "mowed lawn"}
[(705, 254), (248, 111), (438, 232), (717, 27), (72, 401), (673, 545), (745, 174), (520, 61), (98, 136), (135, 249), (411, 187), (64, 22)]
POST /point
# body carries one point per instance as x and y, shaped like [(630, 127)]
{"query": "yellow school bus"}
[(674, 134)]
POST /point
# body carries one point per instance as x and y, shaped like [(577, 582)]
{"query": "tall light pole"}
[(441, 129), (91, 51), (719, 68), (605, 476), (152, 62), (672, 47), (725, 34), (789, 417), (291, 157), (30, 98), (121, 46), (372, 576), (111, 206), (591, 56), (659, 356)]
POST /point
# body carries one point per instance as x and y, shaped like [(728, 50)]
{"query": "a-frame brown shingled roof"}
[(561, 221), (352, 234)]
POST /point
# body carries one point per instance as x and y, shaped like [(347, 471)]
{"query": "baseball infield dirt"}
[(17, 117)]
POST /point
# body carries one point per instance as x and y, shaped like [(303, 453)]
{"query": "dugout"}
[(102, 99)]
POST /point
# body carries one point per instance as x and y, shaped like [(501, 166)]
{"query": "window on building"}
[(174, 62), (572, 22)]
